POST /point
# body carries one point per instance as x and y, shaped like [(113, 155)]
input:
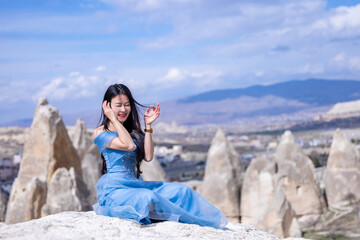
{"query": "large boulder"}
[(298, 181), (152, 171), (25, 202), (223, 177), (342, 176), (47, 148), (88, 225), (263, 203), (66, 192), (91, 162)]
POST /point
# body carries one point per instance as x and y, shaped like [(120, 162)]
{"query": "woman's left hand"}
[(151, 115)]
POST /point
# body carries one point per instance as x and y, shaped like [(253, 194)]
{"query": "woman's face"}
[(121, 107)]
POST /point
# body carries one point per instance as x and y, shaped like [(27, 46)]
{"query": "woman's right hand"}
[(108, 111)]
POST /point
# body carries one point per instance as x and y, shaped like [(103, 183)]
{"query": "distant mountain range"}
[(312, 91), (305, 98), (292, 99)]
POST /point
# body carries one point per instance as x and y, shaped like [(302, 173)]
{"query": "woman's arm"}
[(149, 118), (148, 145)]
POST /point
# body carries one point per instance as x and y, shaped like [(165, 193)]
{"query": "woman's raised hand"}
[(151, 114), (108, 111)]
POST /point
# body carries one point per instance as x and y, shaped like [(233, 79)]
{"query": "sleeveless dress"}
[(121, 194)]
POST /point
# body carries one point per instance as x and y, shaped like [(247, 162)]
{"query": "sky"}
[(70, 51)]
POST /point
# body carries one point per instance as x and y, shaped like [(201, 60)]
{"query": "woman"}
[(120, 191)]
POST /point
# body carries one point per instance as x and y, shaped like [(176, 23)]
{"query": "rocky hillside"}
[(342, 110)]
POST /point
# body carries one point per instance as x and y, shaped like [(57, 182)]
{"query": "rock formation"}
[(298, 181), (342, 176), (66, 192), (223, 177), (91, 162), (342, 110), (88, 225), (152, 171), (25, 200), (47, 148), (263, 203)]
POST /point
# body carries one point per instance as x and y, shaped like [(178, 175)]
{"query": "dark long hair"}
[(132, 123)]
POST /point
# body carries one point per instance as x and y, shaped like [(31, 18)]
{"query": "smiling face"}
[(121, 107)]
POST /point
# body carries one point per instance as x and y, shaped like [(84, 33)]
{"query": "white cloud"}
[(312, 69), (259, 73), (74, 74), (341, 22), (51, 89), (173, 75), (100, 68), (72, 87), (208, 41), (344, 62)]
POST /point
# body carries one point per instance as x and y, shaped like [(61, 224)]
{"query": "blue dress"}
[(121, 194)]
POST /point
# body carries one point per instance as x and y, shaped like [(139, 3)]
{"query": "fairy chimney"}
[(342, 175), (47, 148), (298, 181), (223, 177)]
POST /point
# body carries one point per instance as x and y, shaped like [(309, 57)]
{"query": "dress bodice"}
[(117, 161)]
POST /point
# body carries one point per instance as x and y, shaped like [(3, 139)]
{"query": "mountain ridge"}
[(312, 91)]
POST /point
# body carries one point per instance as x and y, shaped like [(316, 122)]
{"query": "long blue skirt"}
[(147, 201)]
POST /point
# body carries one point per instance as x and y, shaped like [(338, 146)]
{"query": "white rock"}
[(223, 177), (298, 181), (342, 176), (263, 203), (47, 148), (88, 225), (91, 162), (66, 192)]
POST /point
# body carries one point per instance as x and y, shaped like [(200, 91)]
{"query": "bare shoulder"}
[(97, 131)]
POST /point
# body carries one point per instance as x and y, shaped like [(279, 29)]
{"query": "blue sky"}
[(70, 51)]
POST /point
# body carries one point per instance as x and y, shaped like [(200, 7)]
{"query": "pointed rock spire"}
[(298, 181), (342, 175), (223, 177), (47, 148)]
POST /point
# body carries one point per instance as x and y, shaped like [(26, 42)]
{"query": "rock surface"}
[(66, 192), (152, 171), (298, 181), (25, 201), (88, 225), (223, 177), (342, 176), (263, 203), (47, 148), (91, 162)]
